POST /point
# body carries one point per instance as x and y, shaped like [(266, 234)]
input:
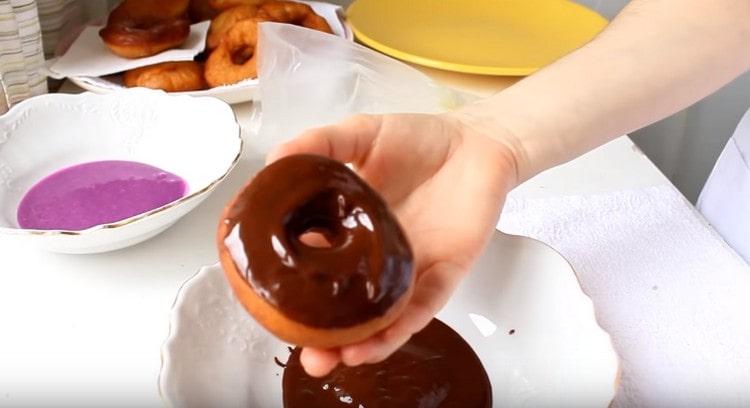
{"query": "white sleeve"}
[(725, 199)]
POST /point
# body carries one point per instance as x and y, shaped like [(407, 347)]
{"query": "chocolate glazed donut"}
[(341, 290)]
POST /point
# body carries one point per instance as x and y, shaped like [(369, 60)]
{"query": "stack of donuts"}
[(141, 28)]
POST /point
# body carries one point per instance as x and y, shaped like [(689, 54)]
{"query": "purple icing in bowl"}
[(90, 194)]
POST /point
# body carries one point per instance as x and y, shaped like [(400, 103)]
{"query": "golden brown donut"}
[(133, 39), (306, 293), (140, 28), (291, 12), (201, 10), (168, 76), (234, 59), (224, 21), (148, 10), (227, 4)]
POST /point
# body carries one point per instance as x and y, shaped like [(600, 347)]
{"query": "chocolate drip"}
[(436, 368), (362, 269)]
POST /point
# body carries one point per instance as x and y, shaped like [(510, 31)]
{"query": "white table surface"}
[(97, 322)]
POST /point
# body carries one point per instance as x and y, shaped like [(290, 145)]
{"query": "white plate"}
[(557, 355), (235, 93)]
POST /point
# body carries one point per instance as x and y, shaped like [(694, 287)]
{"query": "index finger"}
[(349, 141)]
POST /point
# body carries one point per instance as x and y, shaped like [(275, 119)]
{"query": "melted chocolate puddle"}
[(436, 368)]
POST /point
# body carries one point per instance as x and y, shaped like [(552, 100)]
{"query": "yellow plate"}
[(493, 37)]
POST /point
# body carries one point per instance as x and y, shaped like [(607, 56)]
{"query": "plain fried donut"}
[(224, 21), (201, 10), (145, 10), (290, 12), (234, 59), (169, 76), (140, 28), (134, 39), (309, 294), (227, 4)]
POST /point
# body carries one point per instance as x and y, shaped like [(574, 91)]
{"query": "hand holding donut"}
[(430, 169)]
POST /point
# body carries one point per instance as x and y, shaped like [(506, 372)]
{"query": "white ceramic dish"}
[(521, 309), (236, 93), (195, 138)]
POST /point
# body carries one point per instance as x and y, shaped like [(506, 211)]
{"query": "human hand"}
[(446, 184)]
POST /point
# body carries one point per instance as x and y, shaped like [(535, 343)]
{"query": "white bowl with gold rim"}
[(197, 139)]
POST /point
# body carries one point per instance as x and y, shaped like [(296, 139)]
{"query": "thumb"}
[(433, 289)]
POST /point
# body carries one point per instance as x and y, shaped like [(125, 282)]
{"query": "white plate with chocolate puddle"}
[(521, 309), (236, 93)]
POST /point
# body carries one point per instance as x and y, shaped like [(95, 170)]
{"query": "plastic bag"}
[(309, 78)]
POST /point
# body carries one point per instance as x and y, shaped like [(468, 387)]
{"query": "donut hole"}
[(317, 222), (242, 54), (316, 238)]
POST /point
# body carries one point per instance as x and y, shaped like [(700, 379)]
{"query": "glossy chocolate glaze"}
[(360, 276), (436, 368)]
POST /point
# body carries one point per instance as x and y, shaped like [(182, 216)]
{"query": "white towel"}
[(21, 56), (30, 34), (673, 296), (14, 77)]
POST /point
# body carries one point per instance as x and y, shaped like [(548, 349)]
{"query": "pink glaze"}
[(90, 194)]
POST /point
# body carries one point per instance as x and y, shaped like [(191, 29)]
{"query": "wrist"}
[(512, 150)]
